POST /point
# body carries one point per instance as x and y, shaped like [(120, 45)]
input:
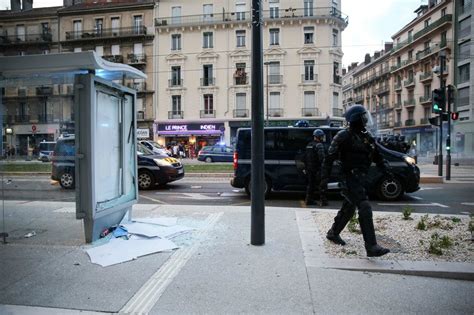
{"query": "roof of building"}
[(35, 12), (105, 5)]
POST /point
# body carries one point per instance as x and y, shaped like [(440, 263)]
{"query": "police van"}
[(284, 163)]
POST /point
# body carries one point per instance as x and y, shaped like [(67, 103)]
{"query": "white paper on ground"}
[(118, 250), (165, 221), (145, 229)]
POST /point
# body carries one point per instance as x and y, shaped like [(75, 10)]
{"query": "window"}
[(44, 28), (115, 21), (138, 50), (274, 73), (274, 101), (464, 28), (335, 100), (176, 76), (463, 73), (410, 35), (240, 34), (427, 90), (464, 51), (240, 74), (20, 32), (115, 50), (427, 22), (410, 114), (309, 70), (208, 104), (207, 40), (337, 78), (176, 42), (410, 54), (99, 50), (308, 34), (335, 37), (309, 99), (77, 28), (240, 101), (443, 12), (137, 24), (240, 11), (207, 75), (175, 15), (399, 117), (463, 97), (207, 12), (274, 9), (176, 104), (99, 26), (77, 49), (308, 8), (274, 36), (427, 112)]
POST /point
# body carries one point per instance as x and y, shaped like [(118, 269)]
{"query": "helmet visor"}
[(367, 119)]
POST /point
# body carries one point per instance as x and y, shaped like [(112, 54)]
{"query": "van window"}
[(47, 146), (295, 139), (65, 148)]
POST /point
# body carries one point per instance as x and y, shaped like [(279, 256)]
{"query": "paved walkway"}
[(215, 271)]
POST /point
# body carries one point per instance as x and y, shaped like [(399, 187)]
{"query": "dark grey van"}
[(284, 153)]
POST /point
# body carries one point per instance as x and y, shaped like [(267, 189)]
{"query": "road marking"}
[(196, 187), (245, 203), (429, 188), (433, 204), (196, 196), (149, 294), (153, 199), (416, 197), (232, 194), (468, 203)]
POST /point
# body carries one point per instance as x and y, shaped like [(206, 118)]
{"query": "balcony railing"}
[(409, 102), (382, 89), (309, 78), (208, 81), (176, 114), (409, 82), (242, 80), (135, 31), (397, 105), (384, 125), (175, 82), (337, 112), (398, 85), (337, 79), (139, 86), (275, 79), (22, 118), (230, 17), (424, 121), (409, 122), (47, 118), (136, 59), (140, 115), (358, 98), (423, 53), (445, 19), (275, 112), (403, 43), (113, 58), (310, 112), (241, 113), (383, 106), (425, 99), (207, 113), (24, 39), (395, 67), (397, 124), (426, 76)]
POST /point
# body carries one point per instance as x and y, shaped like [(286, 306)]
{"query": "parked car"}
[(216, 153), (46, 149), (284, 156), (153, 169), (155, 147)]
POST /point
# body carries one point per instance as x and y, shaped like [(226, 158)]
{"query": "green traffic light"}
[(435, 107)]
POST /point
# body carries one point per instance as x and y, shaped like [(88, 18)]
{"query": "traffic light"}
[(454, 115), (451, 94), (438, 101), (434, 121)]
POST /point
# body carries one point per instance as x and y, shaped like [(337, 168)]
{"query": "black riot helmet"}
[(302, 123), (357, 115), (319, 134)]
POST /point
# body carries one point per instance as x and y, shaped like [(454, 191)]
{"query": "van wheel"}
[(389, 189), (66, 180), (208, 159), (146, 180), (267, 190)]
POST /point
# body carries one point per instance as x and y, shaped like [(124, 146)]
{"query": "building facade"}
[(463, 133), (204, 84)]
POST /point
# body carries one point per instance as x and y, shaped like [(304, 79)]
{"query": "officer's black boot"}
[(335, 238), (368, 232)]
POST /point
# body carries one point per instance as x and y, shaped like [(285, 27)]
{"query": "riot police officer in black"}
[(314, 157), (356, 149)]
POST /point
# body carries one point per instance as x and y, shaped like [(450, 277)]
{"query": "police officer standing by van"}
[(356, 149), (314, 157)]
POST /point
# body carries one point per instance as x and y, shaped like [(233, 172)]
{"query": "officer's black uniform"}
[(315, 153), (356, 149)]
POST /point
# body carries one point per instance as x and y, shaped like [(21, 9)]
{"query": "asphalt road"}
[(452, 198)]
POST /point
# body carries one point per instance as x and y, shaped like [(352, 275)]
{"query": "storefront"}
[(423, 139), (191, 135)]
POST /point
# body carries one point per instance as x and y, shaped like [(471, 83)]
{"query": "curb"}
[(431, 180)]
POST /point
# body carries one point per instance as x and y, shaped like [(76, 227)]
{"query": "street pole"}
[(448, 136), (257, 230), (441, 83), (266, 101)]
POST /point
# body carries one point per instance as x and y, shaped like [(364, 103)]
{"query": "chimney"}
[(376, 54), (388, 47), (344, 71), (367, 59), (354, 64), (27, 5), (15, 5), (68, 3)]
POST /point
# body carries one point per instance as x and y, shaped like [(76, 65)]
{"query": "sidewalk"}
[(216, 271)]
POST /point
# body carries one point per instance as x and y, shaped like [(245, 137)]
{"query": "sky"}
[(371, 23)]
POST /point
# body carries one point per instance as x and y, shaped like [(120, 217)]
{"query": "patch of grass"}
[(407, 211), (455, 219), (353, 225), (437, 244), (29, 167), (422, 223), (209, 168)]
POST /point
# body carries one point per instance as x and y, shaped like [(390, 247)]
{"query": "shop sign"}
[(143, 133), (188, 128)]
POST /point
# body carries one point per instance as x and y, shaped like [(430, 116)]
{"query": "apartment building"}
[(118, 31), (348, 86), (371, 85), (463, 134), (204, 85), (415, 71)]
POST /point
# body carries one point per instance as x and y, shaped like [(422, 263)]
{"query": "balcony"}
[(426, 76), (26, 39), (175, 83), (309, 78), (22, 118), (275, 112), (425, 99), (382, 89), (337, 79), (423, 53), (397, 105), (398, 86), (384, 125), (140, 87), (108, 33), (242, 80), (409, 83), (47, 118), (310, 112), (338, 112), (113, 58), (445, 19), (395, 67), (238, 17), (409, 102), (208, 81), (424, 121), (241, 113), (275, 79), (207, 113), (409, 122), (358, 98), (383, 106), (134, 59), (140, 115), (176, 114), (403, 43), (397, 124)]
